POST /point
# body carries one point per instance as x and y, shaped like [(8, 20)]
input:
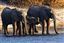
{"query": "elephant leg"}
[(43, 24), (47, 21), (24, 30), (5, 29), (30, 30), (16, 31), (3, 26), (35, 29), (13, 29), (19, 28)]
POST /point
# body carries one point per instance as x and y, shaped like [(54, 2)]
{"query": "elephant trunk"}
[(55, 25)]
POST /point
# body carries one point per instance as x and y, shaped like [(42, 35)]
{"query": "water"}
[(33, 39)]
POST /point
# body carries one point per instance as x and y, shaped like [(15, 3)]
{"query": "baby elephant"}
[(32, 21)]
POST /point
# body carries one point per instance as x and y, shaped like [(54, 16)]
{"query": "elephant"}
[(12, 16), (43, 13), (32, 21)]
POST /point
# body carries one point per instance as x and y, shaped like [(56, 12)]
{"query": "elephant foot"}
[(43, 33), (13, 34), (16, 33), (33, 33), (25, 33), (36, 31), (48, 33), (5, 34), (29, 33), (19, 34)]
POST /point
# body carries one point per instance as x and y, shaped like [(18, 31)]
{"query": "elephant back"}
[(10, 15)]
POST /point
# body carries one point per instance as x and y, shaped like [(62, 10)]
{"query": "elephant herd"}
[(35, 12)]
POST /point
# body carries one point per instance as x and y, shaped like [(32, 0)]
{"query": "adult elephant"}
[(43, 13), (10, 16)]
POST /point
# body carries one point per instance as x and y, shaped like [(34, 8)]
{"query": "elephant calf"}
[(32, 21)]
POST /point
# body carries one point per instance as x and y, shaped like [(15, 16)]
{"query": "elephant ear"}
[(51, 15), (49, 12), (32, 20)]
